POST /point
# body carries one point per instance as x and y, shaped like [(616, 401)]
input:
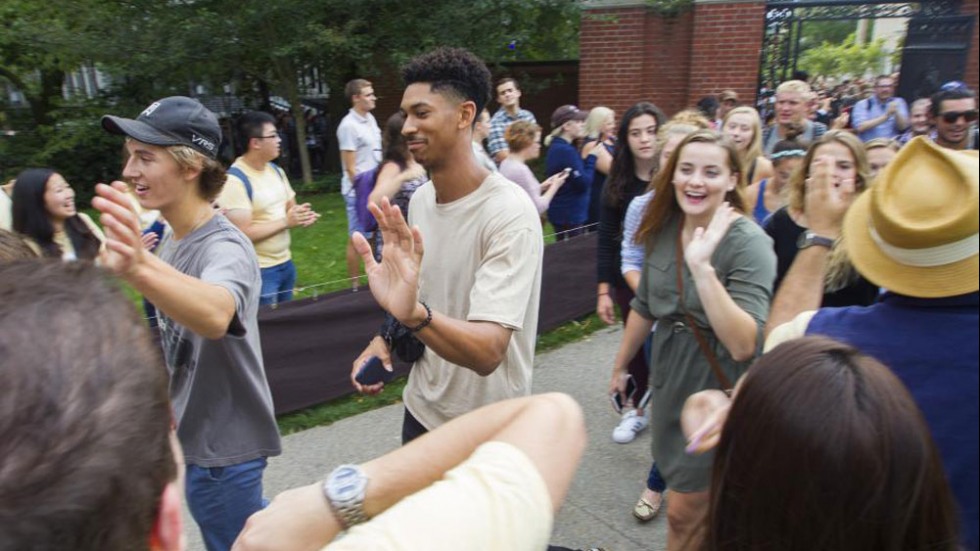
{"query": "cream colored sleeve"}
[(792, 329), (96, 230), (494, 500)]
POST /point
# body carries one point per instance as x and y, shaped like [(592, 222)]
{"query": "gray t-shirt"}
[(218, 387)]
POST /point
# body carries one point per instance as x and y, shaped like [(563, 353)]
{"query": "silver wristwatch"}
[(809, 239), (345, 489)]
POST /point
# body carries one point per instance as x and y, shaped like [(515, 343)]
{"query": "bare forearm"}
[(871, 123), (632, 278), (426, 460), (636, 332), (202, 307), (733, 326), (802, 288), (302, 519), (348, 159), (260, 231), (476, 345)]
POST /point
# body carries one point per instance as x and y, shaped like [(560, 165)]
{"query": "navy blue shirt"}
[(931, 345), (570, 206)]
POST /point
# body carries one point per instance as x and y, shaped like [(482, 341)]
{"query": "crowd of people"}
[(801, 302)]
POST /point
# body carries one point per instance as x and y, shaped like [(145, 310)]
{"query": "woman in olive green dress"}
[(727, 269)]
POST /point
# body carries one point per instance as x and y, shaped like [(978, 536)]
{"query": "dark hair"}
[(505, 80), (354, 87), (393, 143), (623, 166), (783, 146), (84, 419), (824, 448), (708, 105), (250, 126), (950, 93), (663, 207), (13, 247), (31, 218), (454, 70)]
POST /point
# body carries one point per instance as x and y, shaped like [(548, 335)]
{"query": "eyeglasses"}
[(272, 137), (953, 116)]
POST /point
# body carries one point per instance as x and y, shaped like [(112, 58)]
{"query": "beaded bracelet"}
[(425, 323)]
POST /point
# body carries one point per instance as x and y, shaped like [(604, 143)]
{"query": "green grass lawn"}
[(319, 253)]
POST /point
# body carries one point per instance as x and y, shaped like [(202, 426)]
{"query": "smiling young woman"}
[(44, 212), (707, 281)]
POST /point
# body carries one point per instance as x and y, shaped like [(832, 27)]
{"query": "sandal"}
[(644, 510)]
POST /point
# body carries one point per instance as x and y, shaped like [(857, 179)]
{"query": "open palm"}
[(394, 281), (705, 240)]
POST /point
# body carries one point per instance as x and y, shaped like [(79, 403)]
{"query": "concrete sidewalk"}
[(598, 509)]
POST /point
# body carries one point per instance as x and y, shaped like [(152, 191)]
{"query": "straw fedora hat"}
[(914, 232)]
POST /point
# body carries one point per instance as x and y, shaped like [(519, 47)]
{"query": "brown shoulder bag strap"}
[(723, 379)]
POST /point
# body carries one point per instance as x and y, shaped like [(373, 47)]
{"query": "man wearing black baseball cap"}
[(205, 285)]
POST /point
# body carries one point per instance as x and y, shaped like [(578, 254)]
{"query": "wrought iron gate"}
[(935, 48)]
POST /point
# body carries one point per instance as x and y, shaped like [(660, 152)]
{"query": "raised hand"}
[(702, 419), (394, 281), (826, 199), (124, 241), (703, 243)]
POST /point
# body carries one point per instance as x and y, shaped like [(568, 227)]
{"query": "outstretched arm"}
[(205, 308), (548, 429), (802, 289)]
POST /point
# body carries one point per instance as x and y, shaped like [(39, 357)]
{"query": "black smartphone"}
[(617, 398), (373, 372)]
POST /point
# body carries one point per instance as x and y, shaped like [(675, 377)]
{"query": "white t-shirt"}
[(362, 136), (482, 263)]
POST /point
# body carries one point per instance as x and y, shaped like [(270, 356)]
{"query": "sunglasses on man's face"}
[(953, 116)]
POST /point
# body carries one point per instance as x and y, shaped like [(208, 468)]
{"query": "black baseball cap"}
[(176, 120)]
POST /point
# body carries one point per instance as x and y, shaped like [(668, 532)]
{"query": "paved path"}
[(609, 480)]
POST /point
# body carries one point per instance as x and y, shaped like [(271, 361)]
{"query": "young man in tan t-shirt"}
[(473, 298)]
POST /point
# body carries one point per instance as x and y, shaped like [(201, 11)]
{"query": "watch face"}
[(346, 483)]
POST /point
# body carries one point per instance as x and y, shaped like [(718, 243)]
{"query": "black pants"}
[(411, 428)]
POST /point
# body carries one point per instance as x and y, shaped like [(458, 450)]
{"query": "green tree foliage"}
[(153, 48), (846, 58)]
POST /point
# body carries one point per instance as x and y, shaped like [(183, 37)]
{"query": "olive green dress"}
[(746, 266)]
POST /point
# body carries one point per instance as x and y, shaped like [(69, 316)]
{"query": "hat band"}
[(929, 257)]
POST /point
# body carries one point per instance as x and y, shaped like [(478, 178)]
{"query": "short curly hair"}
[(453, 70), (521, 135)]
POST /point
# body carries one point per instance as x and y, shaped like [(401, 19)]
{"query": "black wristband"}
[(425, 323)]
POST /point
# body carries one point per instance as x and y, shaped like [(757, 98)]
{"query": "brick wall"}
[(629, 53), (611, 59), (972, 7), (725, 48)]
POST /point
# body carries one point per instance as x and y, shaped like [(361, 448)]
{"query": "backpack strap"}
[(240, 174), (278, 169)]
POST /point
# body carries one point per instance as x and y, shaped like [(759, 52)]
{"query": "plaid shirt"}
[(498, 123)]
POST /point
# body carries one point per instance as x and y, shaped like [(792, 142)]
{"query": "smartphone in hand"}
[(617, 398), (373, 372)]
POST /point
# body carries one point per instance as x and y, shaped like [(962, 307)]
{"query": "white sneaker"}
[(630, 425)]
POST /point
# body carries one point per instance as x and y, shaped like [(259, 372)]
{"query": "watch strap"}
[(810, 239)]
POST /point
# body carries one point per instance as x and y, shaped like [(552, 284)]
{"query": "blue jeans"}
[(278, 282), (222, 498), (655, 481)]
